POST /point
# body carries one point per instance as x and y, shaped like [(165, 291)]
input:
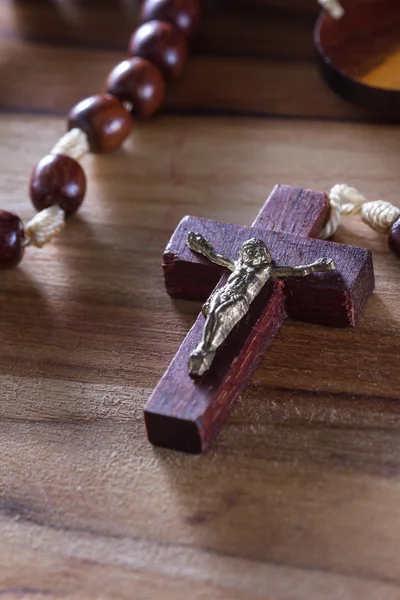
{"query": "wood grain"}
[(300, 498), (265, 67)]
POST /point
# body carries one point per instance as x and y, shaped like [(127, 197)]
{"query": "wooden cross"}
[(186, 414)]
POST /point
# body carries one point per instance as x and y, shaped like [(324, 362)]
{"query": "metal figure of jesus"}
[(230, 303)]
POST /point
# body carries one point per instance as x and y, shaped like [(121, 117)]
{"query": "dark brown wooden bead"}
[(11, 238), (139, 82), (161, 43), (105, 121), (184, 14), (394, 238), (58, 179)]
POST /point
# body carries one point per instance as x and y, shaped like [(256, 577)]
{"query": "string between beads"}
[(346, 200)]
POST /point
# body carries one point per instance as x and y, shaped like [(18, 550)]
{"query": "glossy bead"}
[(105, 121), (11, 240), (184, 14), (161, 43), (58, 179), (139, 82), (394, 238)]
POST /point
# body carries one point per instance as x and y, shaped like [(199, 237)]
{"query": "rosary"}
[(249, 278)]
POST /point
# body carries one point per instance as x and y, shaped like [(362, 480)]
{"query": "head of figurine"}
[(254, 253)]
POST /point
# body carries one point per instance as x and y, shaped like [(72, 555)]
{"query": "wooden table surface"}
[(299, 498)]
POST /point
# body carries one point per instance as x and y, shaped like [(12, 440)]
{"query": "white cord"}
[(333, 7), (74, 144), (346, 200), (44, 226)]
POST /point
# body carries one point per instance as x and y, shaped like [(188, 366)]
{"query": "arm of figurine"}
[(323, 264), (199, 244)]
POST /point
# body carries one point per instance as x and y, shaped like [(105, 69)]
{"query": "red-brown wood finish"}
[(11, 238), (139, 82), (163, 44), (186, 414), (184, 14), (336, 298), (349, 49), (105, 121), (394, 238), (58, 179)]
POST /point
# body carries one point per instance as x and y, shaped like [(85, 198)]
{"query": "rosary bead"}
[(184, 14), (105, 121), (58, 179), (161, 43), (394, 238), (11, 240), (139, 82)]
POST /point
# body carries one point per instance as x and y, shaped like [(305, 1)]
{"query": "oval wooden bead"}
[(11, 238), (105, 121), (184, 14), (160, 43), (139, 82), (394, 238), (58, 179)]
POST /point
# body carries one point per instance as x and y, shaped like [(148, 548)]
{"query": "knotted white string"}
[(346, 200), (333, 7), (73, 144), (44, 226)]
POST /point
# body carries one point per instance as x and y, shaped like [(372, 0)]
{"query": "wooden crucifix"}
[(186, 413)]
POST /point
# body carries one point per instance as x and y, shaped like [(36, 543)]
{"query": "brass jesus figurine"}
[(229, 304)]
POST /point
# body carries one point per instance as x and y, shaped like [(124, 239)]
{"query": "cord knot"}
[(346, 200)]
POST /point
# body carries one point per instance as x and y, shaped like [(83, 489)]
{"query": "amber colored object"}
[(359, 54), (139, 82), (11, 240), (105, 121), (394, 238), (161, 43), (184, 14), (58, 179)]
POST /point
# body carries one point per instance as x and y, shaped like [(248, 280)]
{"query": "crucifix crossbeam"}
[(185, 413)]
